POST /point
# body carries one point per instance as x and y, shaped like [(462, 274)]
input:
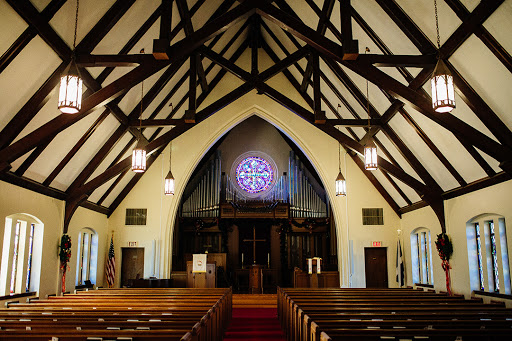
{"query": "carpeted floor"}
[(254, 324)]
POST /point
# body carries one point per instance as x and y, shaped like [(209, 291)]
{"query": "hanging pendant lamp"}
[(443, 94), (139, 152), (70, 90), (370, 149), (341, 184), (169, 179)]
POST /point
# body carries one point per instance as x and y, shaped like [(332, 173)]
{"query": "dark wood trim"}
[(15, 296), (31, 108), (103, 26), (474, 20), (492, 294), (423, 285), (355, 122), (378, 186), (492, 44), (477, 185), (413, 207), (480, 108), (30, 32), (433, 147), (459, 191), (34, 186), (95, 207), (76, 148), (31, 15), (186, 19), (408, 27), (113, 60)]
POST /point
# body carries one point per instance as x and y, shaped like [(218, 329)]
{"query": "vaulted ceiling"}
[(318, 45)]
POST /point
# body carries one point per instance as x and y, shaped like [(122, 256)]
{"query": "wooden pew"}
[(173, 314), (363, 314)]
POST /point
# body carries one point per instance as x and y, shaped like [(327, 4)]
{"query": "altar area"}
[(254, 243)]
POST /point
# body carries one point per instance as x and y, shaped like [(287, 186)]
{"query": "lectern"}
[(256, 279)]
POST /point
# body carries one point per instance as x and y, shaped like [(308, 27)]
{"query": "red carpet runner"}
[(255, 324)]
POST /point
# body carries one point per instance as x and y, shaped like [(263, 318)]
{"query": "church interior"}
[(257, 145)]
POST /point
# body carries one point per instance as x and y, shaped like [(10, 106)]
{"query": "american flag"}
[(111, 264)]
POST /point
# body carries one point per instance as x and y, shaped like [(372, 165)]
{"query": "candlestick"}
[(268, 260), (242, 259)]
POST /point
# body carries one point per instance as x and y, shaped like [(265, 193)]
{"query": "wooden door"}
[(376, 267), (132, 264)]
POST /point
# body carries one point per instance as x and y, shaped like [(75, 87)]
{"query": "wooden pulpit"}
[(201, 279), (256, 279)]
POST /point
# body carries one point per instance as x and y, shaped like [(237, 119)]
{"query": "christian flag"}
[(400, 266), (110, 272)]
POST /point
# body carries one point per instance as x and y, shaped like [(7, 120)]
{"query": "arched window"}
[(87, 256), (488, 253), (21, 254), (421, 255)]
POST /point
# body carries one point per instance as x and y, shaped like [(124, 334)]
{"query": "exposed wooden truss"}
[(322, 55)]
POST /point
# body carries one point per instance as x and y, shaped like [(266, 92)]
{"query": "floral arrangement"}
[(444, 246), (445, 249), (65, 250), (64, 255)]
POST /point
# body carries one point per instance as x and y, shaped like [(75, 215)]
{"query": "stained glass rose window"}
[(254, 174)]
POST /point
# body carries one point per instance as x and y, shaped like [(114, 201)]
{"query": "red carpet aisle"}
[(255, 324)]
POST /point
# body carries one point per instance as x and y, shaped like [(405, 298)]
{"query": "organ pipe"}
[(304, 200), (204, 199)]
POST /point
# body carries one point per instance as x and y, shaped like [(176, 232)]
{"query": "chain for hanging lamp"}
[(169, 179), (139, 152), (341, 184), (70, 90), (443, 93), (370, 149)]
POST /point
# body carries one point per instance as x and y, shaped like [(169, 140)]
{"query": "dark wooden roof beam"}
[(113, 60), (76, 148), (161, 44), (350, 45), (479, 15), (408, 27), (494, 46), (383, 60), (189, 30), (324, 17), (30, 32)]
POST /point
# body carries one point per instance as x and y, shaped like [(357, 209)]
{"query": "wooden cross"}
[(254, 240)]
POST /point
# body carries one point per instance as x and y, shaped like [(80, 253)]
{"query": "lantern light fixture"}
[(341, 184), (139, 152), (443, 93), (70, 90), (370, 149), (169, 179)]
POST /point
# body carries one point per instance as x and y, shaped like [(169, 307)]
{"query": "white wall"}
[(458, 211), (322, 151), (99, 223)]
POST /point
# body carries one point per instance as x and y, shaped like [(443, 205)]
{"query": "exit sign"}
[(376, 244)]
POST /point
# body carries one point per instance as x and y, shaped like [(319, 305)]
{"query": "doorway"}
[(132, 264), (376, 267)]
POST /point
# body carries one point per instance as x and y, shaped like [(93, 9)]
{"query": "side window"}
[(488, 254), (87, 256), (421, 255), (21, 254)]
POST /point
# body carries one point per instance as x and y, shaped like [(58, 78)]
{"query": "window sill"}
[(424, 285), (492, 294), (15, 296)]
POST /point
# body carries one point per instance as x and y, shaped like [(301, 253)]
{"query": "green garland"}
[(444, 246), (64, 251)]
